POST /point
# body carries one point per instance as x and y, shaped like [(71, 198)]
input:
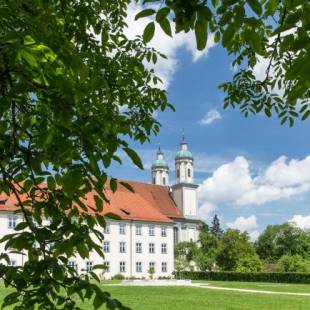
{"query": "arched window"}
[(189, 172)]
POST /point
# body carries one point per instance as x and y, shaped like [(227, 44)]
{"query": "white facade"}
[(130, 248)]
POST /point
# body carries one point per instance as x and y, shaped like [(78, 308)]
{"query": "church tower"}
[(160, 170), (184, 190)]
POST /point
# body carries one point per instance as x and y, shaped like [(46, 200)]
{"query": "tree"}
[(186, 249), (249, 263), (216, 227), (278, 240), (205, 256), (292, 263), (73, 91), (274, 32), (233, 246)]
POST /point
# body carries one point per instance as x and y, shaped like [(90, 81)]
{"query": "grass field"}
[(189, 298), (276, 287)]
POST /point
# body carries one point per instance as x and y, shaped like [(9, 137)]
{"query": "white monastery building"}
[(153, 219)]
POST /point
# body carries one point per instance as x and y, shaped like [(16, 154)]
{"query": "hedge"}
[(275, 277)]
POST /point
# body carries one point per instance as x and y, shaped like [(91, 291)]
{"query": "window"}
[(72, 264), (89, 266), (189, 172), (164, 231), (138, 229), (122, 228), (164, 248), (12, 222), (12, 262), (163, 267), (178, 173), (122, 247), (122, 266), (152, 248), (106, 266), (138, 267), (138, 247), (106, 246), (152, 266), (164, 180), (154, 180), (151, 230), (106, 229)]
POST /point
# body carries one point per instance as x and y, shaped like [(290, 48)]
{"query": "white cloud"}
[(210, 117), (283, 172), (243, 223), (233, 183), (205, 211), (165, 68), (247, 224), (301, 221)]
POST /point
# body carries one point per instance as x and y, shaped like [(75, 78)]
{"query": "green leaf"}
[(21, 226), (51, 184), (113, 184), (217, 37), (128, 186), (201, 32), (99, 203), (255, 6), (305, 115), (162, 13), (149, 32), (82, 249), (144, 13), (28, 57), (134, 157), (165, 26), (112, 216), (268, 112)]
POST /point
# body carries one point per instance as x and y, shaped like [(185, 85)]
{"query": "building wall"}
[(114, 257), (189, 202), (16, 259), (160, 176)]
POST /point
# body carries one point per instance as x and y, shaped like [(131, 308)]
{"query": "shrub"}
[(250, 263), (275, 277), (118, 277)]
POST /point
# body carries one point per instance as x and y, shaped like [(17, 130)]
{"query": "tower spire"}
[(160, 169)]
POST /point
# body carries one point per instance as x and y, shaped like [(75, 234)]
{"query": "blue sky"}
[(253, 172)]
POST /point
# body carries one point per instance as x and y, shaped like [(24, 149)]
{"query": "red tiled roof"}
[(148, 202)]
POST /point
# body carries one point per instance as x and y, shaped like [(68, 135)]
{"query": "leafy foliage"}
[(233, 246), (269, 31), (249, 263), (293, 263), (285, 239), (73, 91)]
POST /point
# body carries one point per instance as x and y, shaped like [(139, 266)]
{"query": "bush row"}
[(276, 277)]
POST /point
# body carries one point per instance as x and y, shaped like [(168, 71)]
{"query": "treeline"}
[(279, 248)]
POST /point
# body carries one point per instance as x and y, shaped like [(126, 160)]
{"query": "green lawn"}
[(185, 298), (277, 287)]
